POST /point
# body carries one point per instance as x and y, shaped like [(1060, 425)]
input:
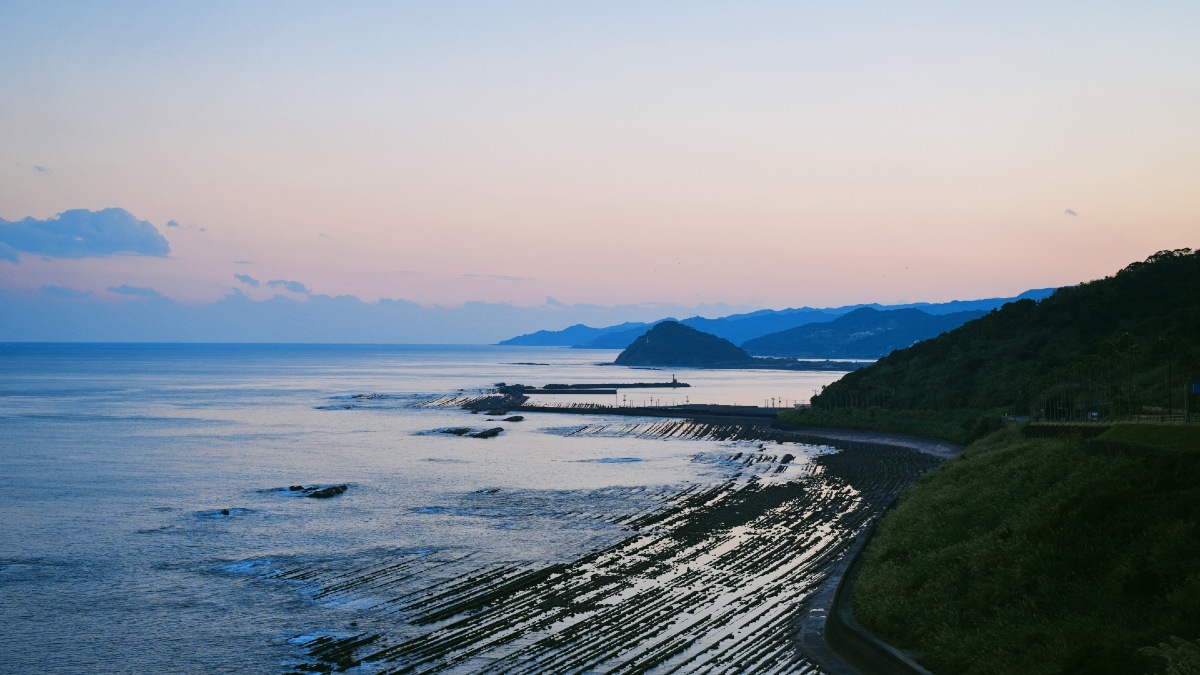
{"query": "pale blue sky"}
[(758, 154)]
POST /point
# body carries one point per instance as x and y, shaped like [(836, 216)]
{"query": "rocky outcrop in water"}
[(674, 344), (314, 491), (327, 492), (488, 433)]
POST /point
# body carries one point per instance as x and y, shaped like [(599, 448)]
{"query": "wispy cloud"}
[(64, 292), (293, 286), (494, 277), (186, 226), (138, 291), (247, 279), (244, 262), (80, 233), (1070, 212)]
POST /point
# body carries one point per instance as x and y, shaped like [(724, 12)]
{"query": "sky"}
[(675, 157)]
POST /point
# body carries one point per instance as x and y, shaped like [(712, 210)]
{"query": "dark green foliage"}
[(1037, 556), (1182, 656), (1045, 552), (674, 344), (1117, 348)]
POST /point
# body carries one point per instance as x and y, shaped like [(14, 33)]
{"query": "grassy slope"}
[(1036, 556), (1169, 436)]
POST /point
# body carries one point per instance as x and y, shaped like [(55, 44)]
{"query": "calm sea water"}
[(140, 503)]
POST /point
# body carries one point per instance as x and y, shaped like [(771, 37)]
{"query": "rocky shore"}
[(714, 579)]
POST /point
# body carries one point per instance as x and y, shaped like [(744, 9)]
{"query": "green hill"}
[(674, 344), (1050, 547), (1119, 348), (1044, 555)]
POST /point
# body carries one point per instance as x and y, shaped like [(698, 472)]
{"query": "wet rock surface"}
[(314, 491), (327, 492), (710, 579)]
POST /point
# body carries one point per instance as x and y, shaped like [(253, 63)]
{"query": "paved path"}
[(829, 633), (932, 446)]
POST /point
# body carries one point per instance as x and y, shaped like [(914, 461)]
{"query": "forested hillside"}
[(1044, 548), (1042, 556), (1121, 347)]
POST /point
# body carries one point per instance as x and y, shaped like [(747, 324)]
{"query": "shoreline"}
[(829, 632), (710, 576), (821, 625)]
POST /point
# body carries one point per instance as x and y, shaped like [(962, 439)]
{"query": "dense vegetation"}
[(1069, 546), (1045, 555), (1122, 347)]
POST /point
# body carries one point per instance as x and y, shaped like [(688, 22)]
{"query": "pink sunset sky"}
[(760, 154)]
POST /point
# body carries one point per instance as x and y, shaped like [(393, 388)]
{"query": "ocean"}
[(155, 515)]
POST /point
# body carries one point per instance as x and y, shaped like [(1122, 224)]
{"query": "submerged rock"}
[(327, 492), (514, 418), (218, 514), (456, 431), (314, 491), (488, 433)]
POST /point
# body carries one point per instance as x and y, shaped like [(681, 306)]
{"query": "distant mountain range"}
[(868, 334), (865, 333), (670, 343)]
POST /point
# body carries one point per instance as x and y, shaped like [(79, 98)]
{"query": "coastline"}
[(829, 632), (282, 582), (813, 614), (729, 575)]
